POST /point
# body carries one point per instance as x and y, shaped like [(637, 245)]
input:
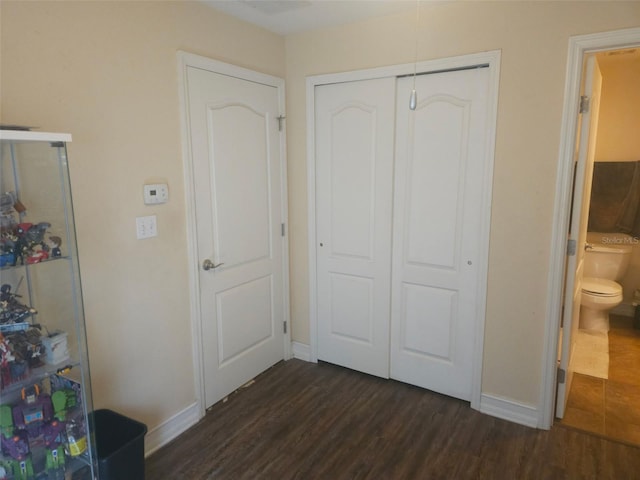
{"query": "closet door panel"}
[(425, 329), (354, 168), (439, 164), (435, 199), (352, 181)]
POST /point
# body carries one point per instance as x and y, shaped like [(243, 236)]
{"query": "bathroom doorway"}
[(603, 388)]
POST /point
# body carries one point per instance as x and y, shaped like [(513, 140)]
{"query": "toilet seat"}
[(601, 287)]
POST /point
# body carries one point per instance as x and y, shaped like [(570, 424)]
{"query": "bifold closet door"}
[(399, 221), (354, 167), (439, 177)]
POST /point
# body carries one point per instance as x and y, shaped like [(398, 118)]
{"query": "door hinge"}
[(584, 104), (282, 229), (562, 374), (280, 120), (284, 326), (571, 247)]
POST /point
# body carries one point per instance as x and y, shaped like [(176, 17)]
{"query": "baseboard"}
[(170, 429), (301, 351), (509, 410)]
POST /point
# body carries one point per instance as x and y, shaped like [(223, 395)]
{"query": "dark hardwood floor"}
[(305, 421)]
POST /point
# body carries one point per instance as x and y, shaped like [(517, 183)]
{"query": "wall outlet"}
[(146, 227)]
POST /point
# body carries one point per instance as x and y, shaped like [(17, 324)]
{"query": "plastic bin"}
[(120, 446)]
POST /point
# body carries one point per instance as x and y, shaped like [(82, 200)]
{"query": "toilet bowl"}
[(606, 260), (598, 297)]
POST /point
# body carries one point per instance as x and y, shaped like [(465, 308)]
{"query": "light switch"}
[(156, 193), (146, 227)]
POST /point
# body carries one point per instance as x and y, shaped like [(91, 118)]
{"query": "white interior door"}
[(354, 159), (236, 154), (578, 229), (439, 165)]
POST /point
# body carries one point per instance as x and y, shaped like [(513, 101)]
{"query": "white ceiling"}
[(292, 16)]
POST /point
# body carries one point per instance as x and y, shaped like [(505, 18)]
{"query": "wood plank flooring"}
[(318, 421)]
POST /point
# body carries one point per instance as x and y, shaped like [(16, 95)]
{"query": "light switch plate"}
[(146, 227)]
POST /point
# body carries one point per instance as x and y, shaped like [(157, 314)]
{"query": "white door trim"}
[(492, 60), (578, 47), (186, 60)]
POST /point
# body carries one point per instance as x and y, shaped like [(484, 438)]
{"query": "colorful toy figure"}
[(17, 447), (33, 411), (28, 424), (6, 421), (53, 244), (11, 310), (53, 435), (26, 236), (22, 469), (76, 438), (54, 464), (37, 254), (6, 359), (62, 401), (6, 258)]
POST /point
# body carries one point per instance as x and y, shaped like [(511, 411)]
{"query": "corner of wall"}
[(510, 410)]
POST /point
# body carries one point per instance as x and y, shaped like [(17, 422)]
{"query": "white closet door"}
[(439, 165), (354, 159)]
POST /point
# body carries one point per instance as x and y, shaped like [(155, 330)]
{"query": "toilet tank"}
[(607, 255)]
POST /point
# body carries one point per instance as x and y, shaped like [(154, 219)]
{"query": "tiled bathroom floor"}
[(611, 407)]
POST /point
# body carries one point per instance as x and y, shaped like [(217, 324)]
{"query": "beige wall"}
[(106, 72), (618, 138), (533, 37)]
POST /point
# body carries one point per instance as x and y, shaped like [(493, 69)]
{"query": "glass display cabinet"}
[(46, 427)]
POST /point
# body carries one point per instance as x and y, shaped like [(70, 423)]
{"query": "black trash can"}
[(120, 446)]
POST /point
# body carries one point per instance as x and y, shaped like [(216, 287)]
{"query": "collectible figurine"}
[(28, 236), (8, 201), (76, 438), (17, 447), (6, 359), (22, 469), (53, 434), (37, 254), (11, 310), (54, 246), (26, 344), (6, 421), (33, 411), (62, 401)]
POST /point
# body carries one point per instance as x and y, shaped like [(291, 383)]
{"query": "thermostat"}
[(156, 193)]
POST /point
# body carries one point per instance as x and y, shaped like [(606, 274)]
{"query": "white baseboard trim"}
[(509, 410), (301, 351), (171, 428)]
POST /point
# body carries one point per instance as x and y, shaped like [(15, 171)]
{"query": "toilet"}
[(606, 260)]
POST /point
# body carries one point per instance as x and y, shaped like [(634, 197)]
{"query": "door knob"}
[(208, 264)]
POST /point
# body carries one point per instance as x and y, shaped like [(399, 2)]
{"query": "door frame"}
[(186, 60), (579, 46), (490, 59)]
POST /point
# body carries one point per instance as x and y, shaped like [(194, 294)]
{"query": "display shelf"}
[(37, 375), (48, 260), (46, 426)]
